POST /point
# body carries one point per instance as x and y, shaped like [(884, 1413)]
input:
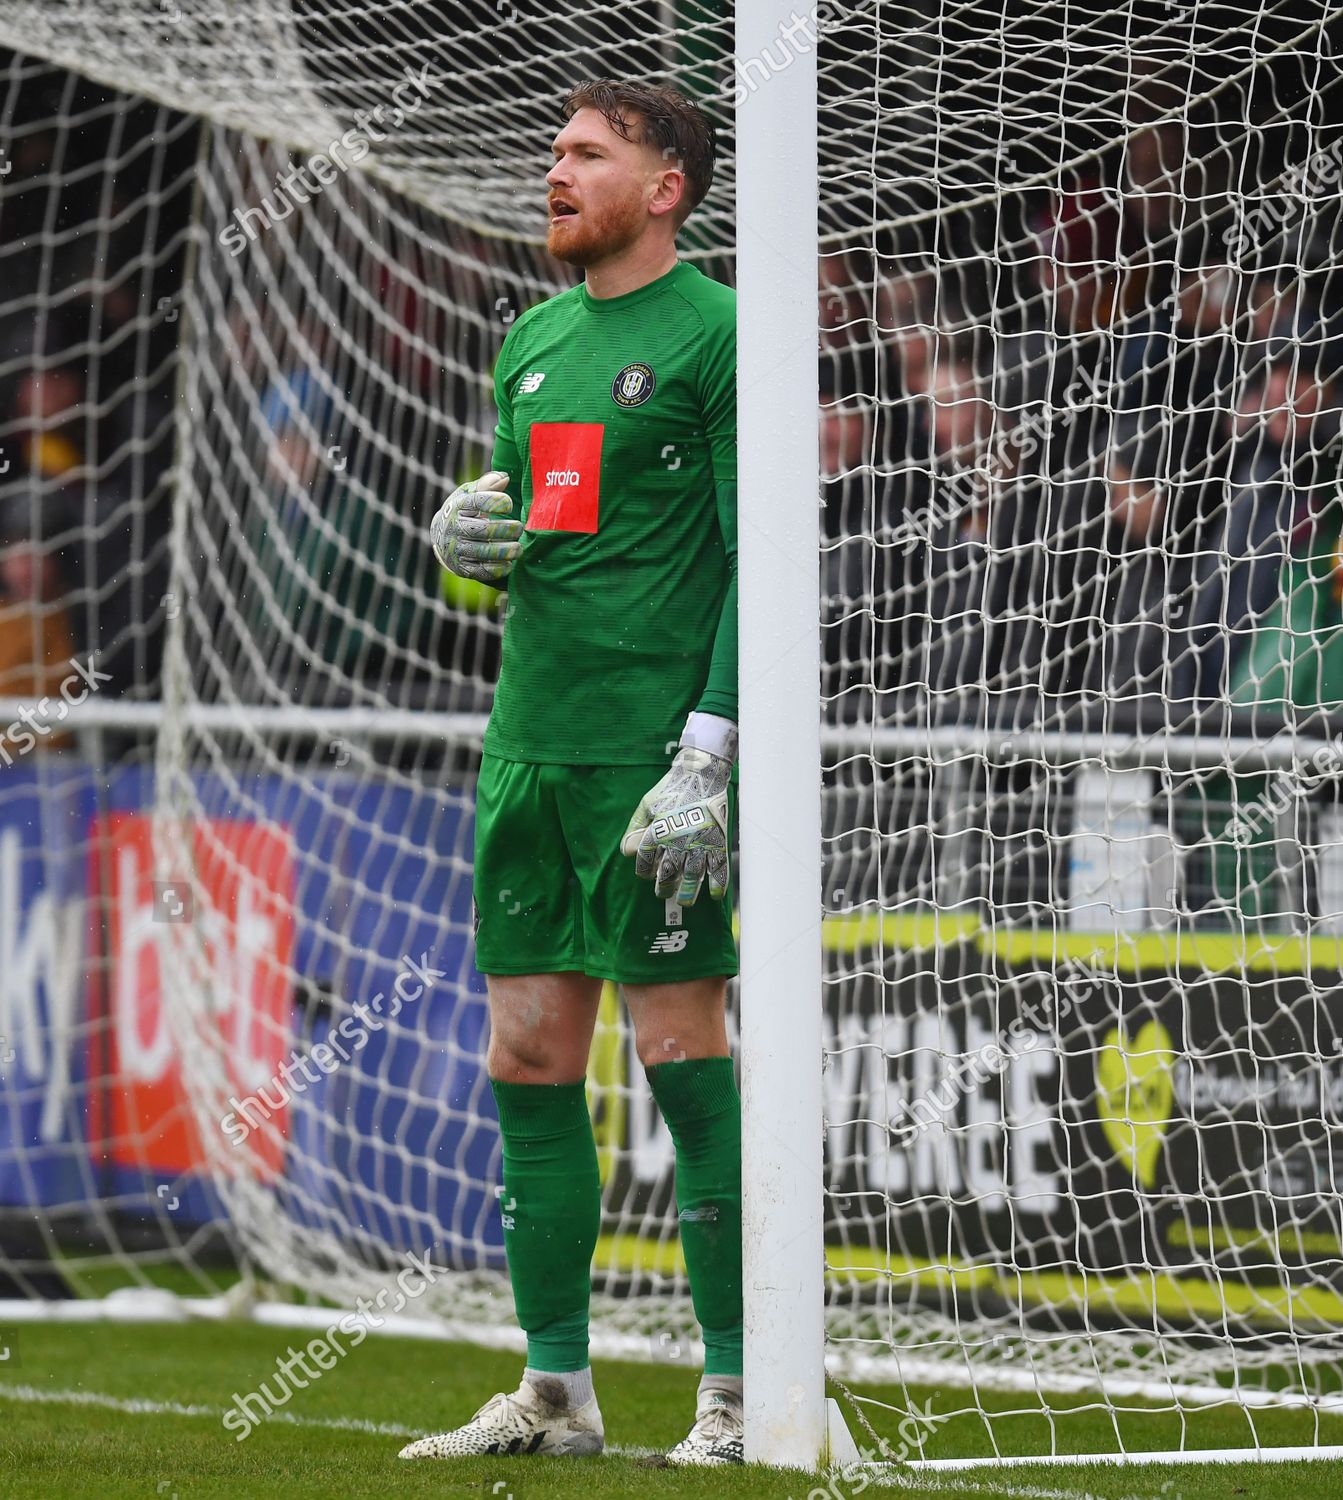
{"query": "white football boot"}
[(718, 1436), (529, 1420)]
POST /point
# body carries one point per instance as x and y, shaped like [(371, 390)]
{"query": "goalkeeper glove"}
[(474, 535), (679, 831)]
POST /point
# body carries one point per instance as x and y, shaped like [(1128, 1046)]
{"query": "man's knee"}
[(675, 1022), (541, 1028), (533, 1058)]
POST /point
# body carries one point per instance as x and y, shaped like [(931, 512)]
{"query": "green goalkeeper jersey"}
[(618, 429)]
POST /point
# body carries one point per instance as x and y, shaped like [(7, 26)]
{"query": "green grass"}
[(65, 1447)]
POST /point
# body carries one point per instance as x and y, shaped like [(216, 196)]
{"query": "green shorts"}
[(554, 893)]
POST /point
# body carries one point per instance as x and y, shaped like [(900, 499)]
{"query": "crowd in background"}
[(1090, 455), (90, 275), (1099, 464)]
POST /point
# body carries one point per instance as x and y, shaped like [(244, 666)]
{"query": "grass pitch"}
[(135, 1410)]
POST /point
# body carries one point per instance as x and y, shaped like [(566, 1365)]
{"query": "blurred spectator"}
[(1287, 466), (954, 589), (1079, 253), (115, 540), (50, 406), (1153, 193), (1294, 655), (1177, 365), (36, 645), (847, 427), (1054, 371), (850, 355), (1134, 580), (1277, 315), (911, 308), (345, 581), (848, 520), (1290, 663), (842, 302)]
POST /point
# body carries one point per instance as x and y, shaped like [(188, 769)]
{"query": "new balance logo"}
[(670, 942), (531, 382)]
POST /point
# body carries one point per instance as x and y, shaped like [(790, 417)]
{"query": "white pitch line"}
[(140, 1406), (927, 1484), (144, 1407)]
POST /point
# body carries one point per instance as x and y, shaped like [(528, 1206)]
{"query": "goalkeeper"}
[(611, 516)]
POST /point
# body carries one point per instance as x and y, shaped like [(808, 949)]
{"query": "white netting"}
[(1080, 308), (466, 131), (95, 199), (1078, 299)]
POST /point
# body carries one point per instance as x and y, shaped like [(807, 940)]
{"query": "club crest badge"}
[(633, 386)]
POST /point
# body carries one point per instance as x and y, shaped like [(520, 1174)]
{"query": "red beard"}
[(596, 234)]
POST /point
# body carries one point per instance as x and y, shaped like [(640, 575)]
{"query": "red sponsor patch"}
[(566, 476)]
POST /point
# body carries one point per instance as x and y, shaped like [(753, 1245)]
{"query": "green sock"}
[(699, 1101), (551, 1205)]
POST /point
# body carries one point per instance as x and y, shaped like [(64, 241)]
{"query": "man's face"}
[(844, 440), (605, 191), (47, 395), (1207, 302), (1289, 404), (1075, 293), (1135, 504), (958, 416), (22, 570)]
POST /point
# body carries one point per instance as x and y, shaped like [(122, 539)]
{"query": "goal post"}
[(1041, 875), (779, 633)]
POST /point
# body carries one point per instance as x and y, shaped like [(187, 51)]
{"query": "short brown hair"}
[(671, 124)]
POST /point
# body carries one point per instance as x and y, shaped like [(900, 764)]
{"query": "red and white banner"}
[(240, 897)]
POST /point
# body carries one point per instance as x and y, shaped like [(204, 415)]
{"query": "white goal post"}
[(1041, 872), (779, 634)]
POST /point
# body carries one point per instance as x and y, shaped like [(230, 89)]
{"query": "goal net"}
[(1082, 672)]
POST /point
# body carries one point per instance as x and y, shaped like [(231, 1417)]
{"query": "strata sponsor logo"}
[(1134, 1090), (566, 466), (41, 990), (258, 1108)]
